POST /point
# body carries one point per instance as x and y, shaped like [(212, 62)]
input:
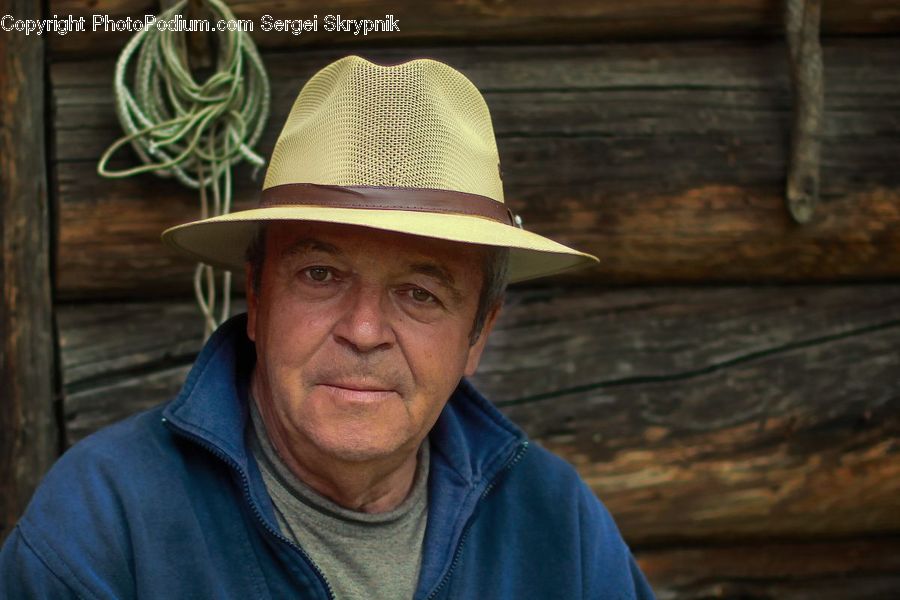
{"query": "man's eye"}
[(318, 273), (420, 295)]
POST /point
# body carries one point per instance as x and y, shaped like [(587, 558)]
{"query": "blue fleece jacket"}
[(170, 504)]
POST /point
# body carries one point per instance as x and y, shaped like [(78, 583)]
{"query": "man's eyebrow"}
[(309, 244), (442, 275)]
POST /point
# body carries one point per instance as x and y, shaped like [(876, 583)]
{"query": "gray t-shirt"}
[(363, 556)]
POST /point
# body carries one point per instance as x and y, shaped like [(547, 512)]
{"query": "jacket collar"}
[(211, 405), (471, 442)]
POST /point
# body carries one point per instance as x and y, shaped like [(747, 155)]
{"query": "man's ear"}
[(252, 301), (477, 348)]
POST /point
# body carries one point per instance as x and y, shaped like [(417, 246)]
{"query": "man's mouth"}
[(358, 391), (359, 386)]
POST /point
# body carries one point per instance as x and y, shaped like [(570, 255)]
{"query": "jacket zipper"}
[(246, 486), (462, 540)]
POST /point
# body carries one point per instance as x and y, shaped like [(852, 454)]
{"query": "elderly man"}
[(326, 444)]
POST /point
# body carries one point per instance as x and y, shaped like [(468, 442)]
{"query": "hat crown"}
[(419, 124)]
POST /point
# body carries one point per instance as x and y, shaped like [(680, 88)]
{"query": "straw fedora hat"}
[(407, 148)]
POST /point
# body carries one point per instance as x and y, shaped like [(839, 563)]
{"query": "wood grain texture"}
[(666, 160), (865, 569), (28, 430), (478, 21), (697, 414), (751, 420)]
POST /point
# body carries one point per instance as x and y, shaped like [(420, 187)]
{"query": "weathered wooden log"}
[(121, 358), (867, 569), (667, 161), (527, 21), (695, 413), (28, 429)]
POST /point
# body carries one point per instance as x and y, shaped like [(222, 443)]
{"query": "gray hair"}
[(493, 288)]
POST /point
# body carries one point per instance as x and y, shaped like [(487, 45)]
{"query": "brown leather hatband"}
[(386, 198)]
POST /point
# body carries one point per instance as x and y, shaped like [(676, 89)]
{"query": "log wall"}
[(727, 381), (668, 160)]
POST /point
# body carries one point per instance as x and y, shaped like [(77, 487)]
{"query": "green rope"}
[(192, 131)]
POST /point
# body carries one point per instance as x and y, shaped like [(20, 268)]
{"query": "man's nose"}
[(365, 324)]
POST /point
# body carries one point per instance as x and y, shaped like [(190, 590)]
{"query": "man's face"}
[(361, 336)]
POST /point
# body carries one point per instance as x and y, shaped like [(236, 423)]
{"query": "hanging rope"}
[(195, 132), (801, 18)]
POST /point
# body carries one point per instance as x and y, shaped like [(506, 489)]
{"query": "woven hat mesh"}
[(420, 124)]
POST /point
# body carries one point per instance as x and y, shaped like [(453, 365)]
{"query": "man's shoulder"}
[(80, 514), (123, 459), (543, 503), (548, 492), (134, 470), (140, 440), (551, 475)]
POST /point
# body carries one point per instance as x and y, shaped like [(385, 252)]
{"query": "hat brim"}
[(222, 241)]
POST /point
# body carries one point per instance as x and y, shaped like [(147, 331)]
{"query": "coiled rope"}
[(195, 132)]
